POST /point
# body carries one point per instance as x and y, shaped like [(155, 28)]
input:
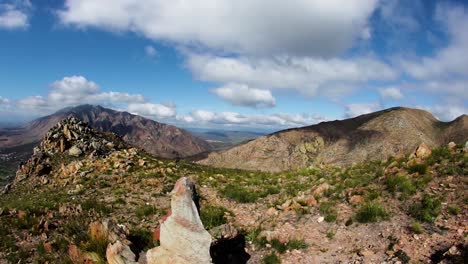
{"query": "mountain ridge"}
[(371, 136)]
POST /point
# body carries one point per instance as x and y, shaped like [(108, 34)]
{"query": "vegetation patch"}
[(427, 210), (213, 216), (371, 212)]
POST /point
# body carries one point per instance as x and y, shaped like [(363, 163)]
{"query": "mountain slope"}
[(367, 137), (156, 138)]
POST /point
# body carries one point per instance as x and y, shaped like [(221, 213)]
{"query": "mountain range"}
[(374, 136)]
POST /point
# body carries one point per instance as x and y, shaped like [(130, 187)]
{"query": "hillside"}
[(374, 136), (80, 184), (156, 138)]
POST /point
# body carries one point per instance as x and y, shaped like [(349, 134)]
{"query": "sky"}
[(253, 64)]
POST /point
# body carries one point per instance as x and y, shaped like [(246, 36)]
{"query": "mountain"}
[(159, 139), (374, 136)]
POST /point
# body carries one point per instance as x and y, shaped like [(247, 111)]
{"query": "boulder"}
[(75, 151), (183, 239), (119, 253), (422, 151), (451, 145)]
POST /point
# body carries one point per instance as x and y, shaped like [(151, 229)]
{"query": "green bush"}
[(419, 168), (328, 209), (427, 210), (370, 212), (213, 216), (454, 209), (145, 210), (271, 258), (403, 184), (278, 246), (297, 244), (416, 228)]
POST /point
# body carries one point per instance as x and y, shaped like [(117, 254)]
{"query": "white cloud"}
[(447, 112), (357, 109), (4, 101), (155, 111), (72, 91), (451, 61), (299, 27), (150, 51), (391, 93), (311, 76), (243, 95), (14, 15), (230, 119)]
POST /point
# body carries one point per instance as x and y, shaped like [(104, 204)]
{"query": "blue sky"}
[(234, 64)]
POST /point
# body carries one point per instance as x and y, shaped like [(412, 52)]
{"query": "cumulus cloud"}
[(4, 101), (451, 61), (14, 14), (308, 75), (243, 95), (447, 112), (297, 27), (391, 93), (150, 51), (229, 119), (357, 109), (74, 90), (151, 110)]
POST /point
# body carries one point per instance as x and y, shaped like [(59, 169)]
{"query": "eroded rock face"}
[(183, 238)]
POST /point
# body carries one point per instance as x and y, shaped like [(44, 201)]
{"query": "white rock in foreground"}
[(183, 239)]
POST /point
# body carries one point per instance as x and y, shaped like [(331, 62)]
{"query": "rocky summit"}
[(374, 136), (70, 138)]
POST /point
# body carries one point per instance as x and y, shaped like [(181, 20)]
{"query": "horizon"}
[(250, 72)]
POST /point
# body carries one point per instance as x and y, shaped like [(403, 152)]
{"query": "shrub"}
[(271, 258), (419, 168), (427, 210), (280, 247), (213, 216), (328, 209), (370, 212), (396, 183), (145, 210), (297, 244), (330, 234), (416, 228), (454, 209)]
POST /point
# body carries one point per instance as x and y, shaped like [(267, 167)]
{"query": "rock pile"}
[(70, 137)]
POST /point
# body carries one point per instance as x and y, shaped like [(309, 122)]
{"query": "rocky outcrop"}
[(70, 137), (183, 239), (374, 136)]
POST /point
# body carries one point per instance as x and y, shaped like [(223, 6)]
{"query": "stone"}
[(183, 239), (320, 189), (451, 145), (465, 149), (356, 199), (422, 151), (320, 219), (119, 253), (75, 151)]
